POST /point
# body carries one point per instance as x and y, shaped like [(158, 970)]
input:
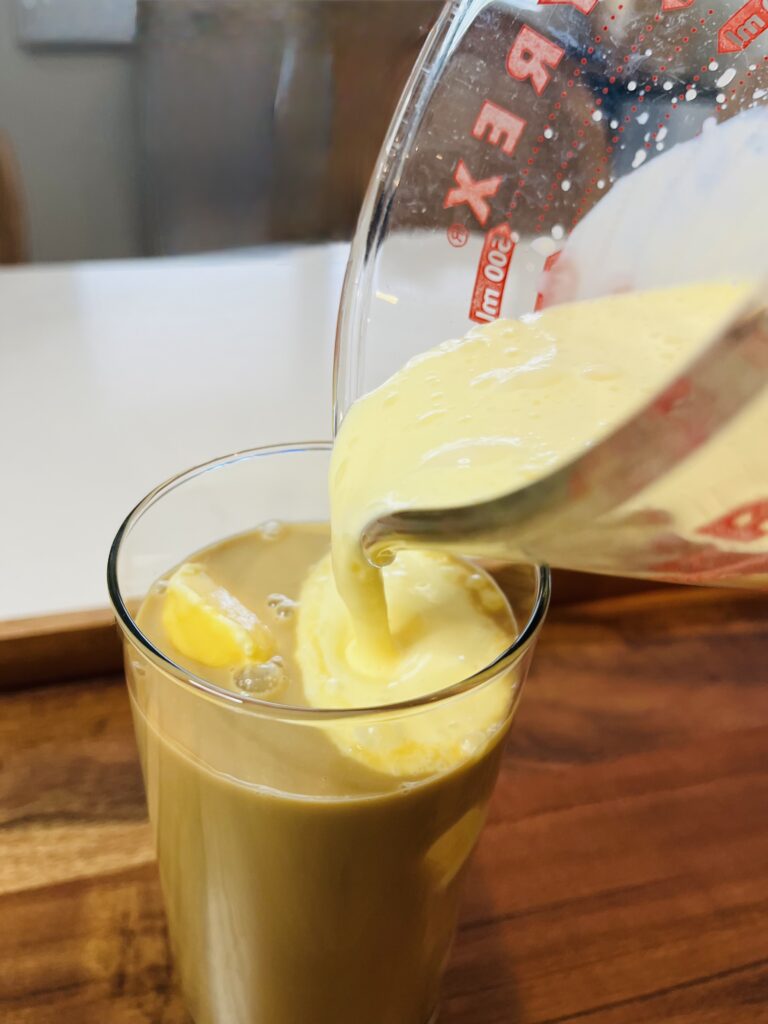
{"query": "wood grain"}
[(72, 645), (622, 877), (51, 648)]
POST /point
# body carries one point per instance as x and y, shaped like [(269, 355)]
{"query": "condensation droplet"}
[(631, 86), (597, 115), (691, 94), (639, 157), (601, 183), (713, 65), (548, 133), (544, 244), (271, 529), (282, 607), (614, 123), (661, 133), (720, 98), (726, 77), (565, 185), (667, 86), (558, 231), (261, 678)]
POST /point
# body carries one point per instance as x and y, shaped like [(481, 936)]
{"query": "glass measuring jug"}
[(561, 150)]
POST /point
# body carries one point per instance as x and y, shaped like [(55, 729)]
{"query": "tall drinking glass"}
[(299, 887)]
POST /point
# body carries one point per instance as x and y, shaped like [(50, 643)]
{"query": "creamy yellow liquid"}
[(472, 419)]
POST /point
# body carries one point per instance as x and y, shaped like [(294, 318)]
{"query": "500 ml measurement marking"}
[(531, 58), (492, 271)]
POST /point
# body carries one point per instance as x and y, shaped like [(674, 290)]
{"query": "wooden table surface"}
[(622, 877)]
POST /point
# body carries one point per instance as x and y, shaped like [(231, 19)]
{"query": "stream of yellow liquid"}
[(459, 424), (462, 423)]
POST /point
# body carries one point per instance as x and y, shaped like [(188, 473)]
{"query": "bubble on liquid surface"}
[(160, 587), (138, 668), (271, 529), (282, 607), (261, 679)]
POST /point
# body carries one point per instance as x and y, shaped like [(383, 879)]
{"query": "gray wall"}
[(69, 117)]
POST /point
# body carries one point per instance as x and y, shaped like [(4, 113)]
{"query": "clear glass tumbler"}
[(292, 895)]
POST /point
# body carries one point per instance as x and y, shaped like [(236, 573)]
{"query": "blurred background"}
[(159, 128), (179, 181), (178, 185)]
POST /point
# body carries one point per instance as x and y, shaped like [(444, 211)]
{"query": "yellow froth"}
[(448, 620), (462, 423), (500, 408)]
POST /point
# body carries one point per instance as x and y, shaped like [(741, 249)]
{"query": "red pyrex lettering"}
[(474, 193), (492, 271), (675, 5), (498, 127), (747, 523), (531, 58), (743, 27)]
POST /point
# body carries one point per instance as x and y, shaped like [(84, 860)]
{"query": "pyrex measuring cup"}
[(566, 149)]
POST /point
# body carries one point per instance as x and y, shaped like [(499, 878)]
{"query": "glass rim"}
[(247, 702)]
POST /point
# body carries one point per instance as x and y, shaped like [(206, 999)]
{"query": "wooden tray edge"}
[(77, 645), (55, 648)]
